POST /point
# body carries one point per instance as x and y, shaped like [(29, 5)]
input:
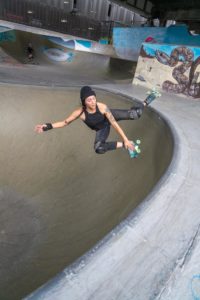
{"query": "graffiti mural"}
[(185, 84), (7, 36), (172, 68), (75, 44), (128, 41), (58, 55)]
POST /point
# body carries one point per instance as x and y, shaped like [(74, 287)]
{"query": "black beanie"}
[(85, 92)]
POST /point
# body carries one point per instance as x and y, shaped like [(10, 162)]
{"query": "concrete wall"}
[(128, 41), (66, 41), (172, 68)]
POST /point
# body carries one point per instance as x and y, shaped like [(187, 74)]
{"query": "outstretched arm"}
[(47, 126), (128, 144)]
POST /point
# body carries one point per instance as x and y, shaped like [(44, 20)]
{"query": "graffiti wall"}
[(174, 69), (74, 44), (7, 35), (83, 45), (60, 48), (128, 41)]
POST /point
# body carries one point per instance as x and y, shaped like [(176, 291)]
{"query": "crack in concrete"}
[(191, 247), (179, 264)]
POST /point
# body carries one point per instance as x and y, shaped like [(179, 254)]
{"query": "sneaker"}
[(152, 95)]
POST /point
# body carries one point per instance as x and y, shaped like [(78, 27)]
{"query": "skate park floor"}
[(154, 253)]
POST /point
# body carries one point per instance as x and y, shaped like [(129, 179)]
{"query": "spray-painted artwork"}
[(7, 36), (58, 55), (175, 68), (75, 44), (83, 45), (128, 41), (181, 59)]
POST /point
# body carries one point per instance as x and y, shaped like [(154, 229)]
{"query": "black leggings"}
[(100, 144)]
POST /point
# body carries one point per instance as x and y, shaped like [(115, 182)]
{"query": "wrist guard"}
[(47, 127)]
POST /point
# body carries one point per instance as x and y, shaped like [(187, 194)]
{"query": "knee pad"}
[(139, 111), (99, 148), (135, 113)]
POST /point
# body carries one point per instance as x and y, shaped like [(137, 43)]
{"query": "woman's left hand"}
[(129, 145), (39, 128)]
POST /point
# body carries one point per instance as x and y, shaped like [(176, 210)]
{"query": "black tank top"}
[(95, 121)]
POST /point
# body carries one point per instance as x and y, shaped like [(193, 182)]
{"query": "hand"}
[(129, 145), (39, 128)]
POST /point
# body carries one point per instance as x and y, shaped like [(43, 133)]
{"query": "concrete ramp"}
[(65, 58), (57, 197)]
